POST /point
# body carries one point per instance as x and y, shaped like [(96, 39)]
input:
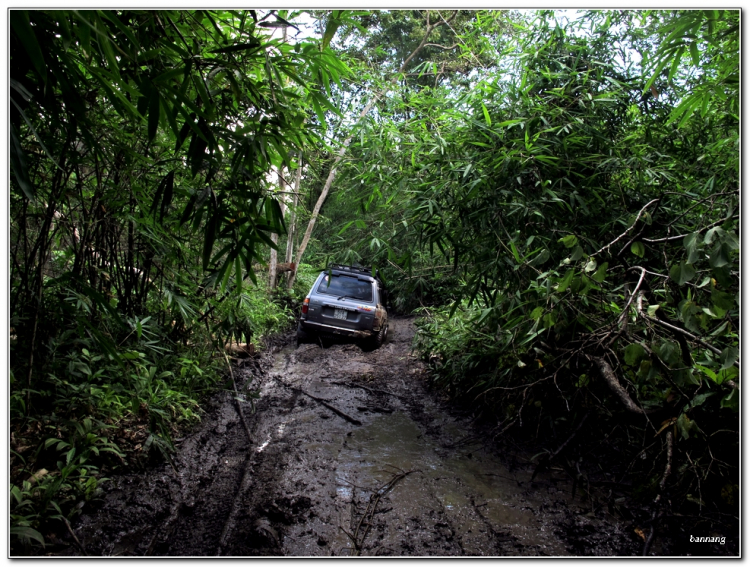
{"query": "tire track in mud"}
[(308, 474)]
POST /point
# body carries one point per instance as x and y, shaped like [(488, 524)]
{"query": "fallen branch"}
[(510, 424), (371, 508), (229, 523), (247, 467), (237, 400), (168, 526), (614, 384), (75, 538), (322, 402)]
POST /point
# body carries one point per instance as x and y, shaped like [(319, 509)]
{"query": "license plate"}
[(339, 313)]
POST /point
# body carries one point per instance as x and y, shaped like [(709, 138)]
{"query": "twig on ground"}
[(510, 424), (237, 399), (370, 510), (322, 402), (75, 538)]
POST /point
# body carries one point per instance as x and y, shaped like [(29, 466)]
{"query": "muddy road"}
[(348, 452)]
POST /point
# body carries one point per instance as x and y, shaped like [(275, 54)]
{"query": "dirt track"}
[(412, 478)]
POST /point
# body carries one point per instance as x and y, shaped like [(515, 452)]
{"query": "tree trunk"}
[(345, 145), (292, 225), (272, 275)]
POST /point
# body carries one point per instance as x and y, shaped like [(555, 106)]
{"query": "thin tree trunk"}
[(292, 226), (345, 145), (272, 264), (272, 275)]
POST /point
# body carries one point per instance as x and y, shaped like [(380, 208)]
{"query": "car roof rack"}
[(364, 270)]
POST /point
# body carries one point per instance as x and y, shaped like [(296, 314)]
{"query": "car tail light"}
[(305, 305)]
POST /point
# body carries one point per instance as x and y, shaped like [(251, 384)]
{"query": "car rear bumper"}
[(323, 328)]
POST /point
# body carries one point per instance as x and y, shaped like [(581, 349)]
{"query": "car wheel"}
[(379, 339), (302, 335)]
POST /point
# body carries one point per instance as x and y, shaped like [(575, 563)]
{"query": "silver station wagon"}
[(348, 301)]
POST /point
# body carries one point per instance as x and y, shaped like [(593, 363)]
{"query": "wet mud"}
[(350, 453)]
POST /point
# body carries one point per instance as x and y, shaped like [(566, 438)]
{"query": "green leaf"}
[(487, 117), (569, 241), (319, 112), (25, 532), (634, 353), (638, 249), (33, 130), (577, 254), (727, 374), (685, 425), (333, 24), (719, 256), (728, 357), (711, 234), (682, 273), (707, 371), (722, 300), (697, 401), (694, 54), (731, 401), (565, 281), (601, 273), (536, 313), (540, 259), (515, 252), (691, 241), (730, 240), (669, 352)]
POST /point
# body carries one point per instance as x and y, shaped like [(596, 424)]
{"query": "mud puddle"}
[(350, 453)]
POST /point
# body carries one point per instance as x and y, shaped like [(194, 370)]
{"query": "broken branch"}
[(614, 384), (322, 402)]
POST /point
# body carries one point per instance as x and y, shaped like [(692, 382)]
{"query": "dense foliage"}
[(140, 148), (570, 221), (556, 194)]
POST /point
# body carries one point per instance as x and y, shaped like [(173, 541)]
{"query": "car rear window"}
[(346, 286)]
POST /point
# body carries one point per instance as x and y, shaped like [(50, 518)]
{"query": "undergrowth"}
[(556, 402), (110, 392)]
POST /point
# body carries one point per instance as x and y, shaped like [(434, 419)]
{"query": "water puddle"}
[(460, 495)]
